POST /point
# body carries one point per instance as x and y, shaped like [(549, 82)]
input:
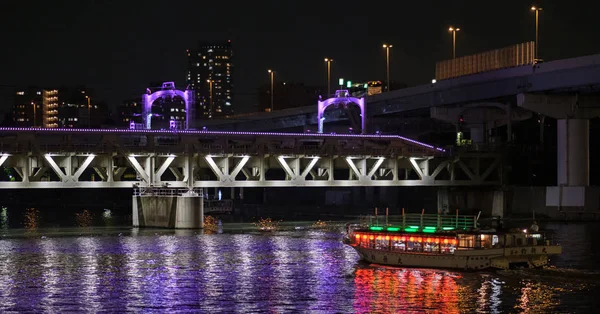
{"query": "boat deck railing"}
[(423, 222)]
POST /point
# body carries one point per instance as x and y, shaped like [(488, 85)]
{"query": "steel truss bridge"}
[(115, 158)]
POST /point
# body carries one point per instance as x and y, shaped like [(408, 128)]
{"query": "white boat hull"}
[(501, 258)]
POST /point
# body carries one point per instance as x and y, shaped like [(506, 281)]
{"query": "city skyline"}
[(80, 44)]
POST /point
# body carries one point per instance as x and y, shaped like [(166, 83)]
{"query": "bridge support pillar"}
[(498, 204), (573, 144), (442, 201), (573, 148), (184, 211), (477, 134)]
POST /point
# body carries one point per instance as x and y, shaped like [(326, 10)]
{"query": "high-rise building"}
[(36, 107), (210, 69)]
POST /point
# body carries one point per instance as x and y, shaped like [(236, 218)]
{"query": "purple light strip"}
[(197, 132)]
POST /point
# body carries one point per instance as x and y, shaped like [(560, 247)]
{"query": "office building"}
[(36, 107), (210, 75)]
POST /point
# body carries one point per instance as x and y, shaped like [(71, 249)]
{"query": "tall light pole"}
[(453, 30), (328, 76), (34, 114), (387, 58), (89, 111), (210, 97), (537, 37), (271, 73)]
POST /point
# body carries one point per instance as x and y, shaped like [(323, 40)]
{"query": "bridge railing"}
[(164, 191)]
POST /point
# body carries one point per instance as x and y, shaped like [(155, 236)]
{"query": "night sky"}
[(118, 47)]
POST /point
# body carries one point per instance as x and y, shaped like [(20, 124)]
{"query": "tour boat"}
[(448, 241)]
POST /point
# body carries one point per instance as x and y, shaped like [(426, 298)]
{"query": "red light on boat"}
[(454, 241), (445, 241), (358, 236), (371, 237), (412, 239), (387, 238), (429, 240), (437, 240), (395, 238), (419, 239), (403, 239)]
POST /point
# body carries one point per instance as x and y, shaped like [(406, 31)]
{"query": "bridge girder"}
[(88, 160)]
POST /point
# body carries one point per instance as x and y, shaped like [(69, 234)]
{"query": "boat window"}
[(466, 240), (486, 241)]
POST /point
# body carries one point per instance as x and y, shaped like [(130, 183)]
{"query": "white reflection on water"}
[(211, 286), (166, 268), (87, 251), (245, 274), (7, 275), (283, 275), (50, 275), (495, 297), (131, 248)]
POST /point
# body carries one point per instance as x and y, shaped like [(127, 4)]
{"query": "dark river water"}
[(301, 271)]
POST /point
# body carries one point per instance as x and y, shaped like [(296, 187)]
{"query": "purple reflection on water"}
[(297, 271)]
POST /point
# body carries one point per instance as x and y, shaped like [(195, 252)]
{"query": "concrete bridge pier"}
[(168, 208), (573, 144)]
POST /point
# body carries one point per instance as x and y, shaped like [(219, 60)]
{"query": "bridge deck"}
[(74, 158)]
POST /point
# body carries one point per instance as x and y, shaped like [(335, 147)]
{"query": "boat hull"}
[(501, 258)]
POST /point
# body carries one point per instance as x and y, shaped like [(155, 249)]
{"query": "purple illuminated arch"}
[(168, 89), (342, 97)]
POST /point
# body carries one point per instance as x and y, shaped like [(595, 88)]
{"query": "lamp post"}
[(387, 53), (271, 73), (210, 97), (34, 114), (328, 76), (453, 30), (537, 37), (89, 111)]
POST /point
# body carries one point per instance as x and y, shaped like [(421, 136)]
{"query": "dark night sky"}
[(118, 47)]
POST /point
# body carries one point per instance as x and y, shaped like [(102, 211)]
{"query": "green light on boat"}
[(376, 228), (411, 229), (430, 228), (393, 229), (448, 228)]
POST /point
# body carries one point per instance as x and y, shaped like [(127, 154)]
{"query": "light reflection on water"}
[(299, 271)]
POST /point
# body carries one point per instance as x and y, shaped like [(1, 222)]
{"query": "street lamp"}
[(89, 112), (328, 76), (210, 97), (537, 37), (34, 114), (387, 53), (453, 30), (271, 73)]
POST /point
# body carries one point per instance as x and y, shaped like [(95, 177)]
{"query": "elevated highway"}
[(579, 75)]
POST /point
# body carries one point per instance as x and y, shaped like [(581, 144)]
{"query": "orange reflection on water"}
[(390, 290)]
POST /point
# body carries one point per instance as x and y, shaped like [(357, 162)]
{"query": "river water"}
[(130, 270)]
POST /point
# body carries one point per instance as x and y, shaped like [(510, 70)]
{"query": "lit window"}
[(21, 93)]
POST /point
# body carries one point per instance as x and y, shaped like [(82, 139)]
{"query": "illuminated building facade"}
[(210, 75), (36, 107)]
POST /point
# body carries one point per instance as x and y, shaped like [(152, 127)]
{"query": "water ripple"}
[(301, 271)]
